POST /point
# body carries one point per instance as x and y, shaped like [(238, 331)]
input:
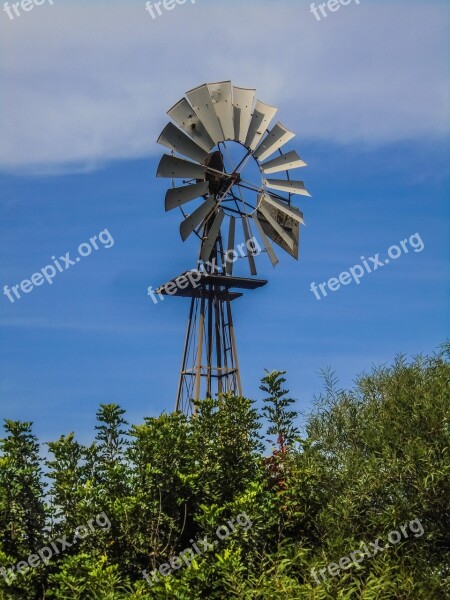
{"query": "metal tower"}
[(210, 362)]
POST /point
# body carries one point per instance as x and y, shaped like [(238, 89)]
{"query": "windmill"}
[(222, 151)]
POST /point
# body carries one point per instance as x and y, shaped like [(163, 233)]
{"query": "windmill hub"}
[(207, 126)]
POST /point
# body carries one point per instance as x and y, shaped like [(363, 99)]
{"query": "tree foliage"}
[(371, 459)]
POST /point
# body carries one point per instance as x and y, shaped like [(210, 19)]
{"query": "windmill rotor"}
[(216, 189)]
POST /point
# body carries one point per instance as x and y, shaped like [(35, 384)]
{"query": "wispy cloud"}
[(86, 83)]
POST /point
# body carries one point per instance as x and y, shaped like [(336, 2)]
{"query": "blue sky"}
[(85, 90)]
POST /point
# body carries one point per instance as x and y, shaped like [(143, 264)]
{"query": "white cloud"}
[(85, 83)]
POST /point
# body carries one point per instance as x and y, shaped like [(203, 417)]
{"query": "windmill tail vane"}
[(229, 163)]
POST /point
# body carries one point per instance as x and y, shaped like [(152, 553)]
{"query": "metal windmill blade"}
[(186, 119), (285, 162), (176, 140), (276, 138), (180, 195), (177, 168), (201, 101), (230, 247), (196, 218), (261, 118), (243, 101), (273, 216), (289, 211), (267, 245), (251, 260), (212, 236), (221, 96), (290, 227), (293, 187)]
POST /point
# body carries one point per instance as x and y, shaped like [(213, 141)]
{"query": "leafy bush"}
[(365, 462)]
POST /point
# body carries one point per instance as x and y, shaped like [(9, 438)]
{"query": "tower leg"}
[(219, 325), (181, 393), (234, 349), (209, 349), (201, 328)]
